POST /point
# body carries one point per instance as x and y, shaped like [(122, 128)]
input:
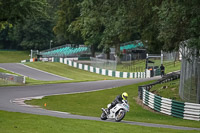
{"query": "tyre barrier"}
[(184, 110)]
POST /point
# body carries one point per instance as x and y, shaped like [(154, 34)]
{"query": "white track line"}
[(20, 101), (17, 73), (44, 71)]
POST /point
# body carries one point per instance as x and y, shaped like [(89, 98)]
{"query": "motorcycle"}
[(118, 112)]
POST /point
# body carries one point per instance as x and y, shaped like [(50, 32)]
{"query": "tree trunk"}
[(108, 55), (92, 50), (176, 54), (118, 53)]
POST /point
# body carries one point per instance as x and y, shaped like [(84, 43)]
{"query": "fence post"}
[(140, 92)]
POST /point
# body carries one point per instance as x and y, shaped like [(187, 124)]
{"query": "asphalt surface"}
[(31, 72), (11, 98)]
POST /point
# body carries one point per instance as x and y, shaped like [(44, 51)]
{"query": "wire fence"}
[(7, 82), (103, 63), (11, 79), (170, 56), (138, 65), (190, 76), (132, 66)]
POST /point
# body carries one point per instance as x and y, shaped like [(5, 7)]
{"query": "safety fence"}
[(190, 71), (167, 106), (101, 71), (13, 78), (103, 63)]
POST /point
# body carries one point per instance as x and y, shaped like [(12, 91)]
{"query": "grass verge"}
[(5, 71), (67, 71), (90, 104), (168, 90), (63, 70), (139, 66), (12, 122), (13, 56)]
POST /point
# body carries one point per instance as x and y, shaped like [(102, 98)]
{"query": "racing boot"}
[(108, 110)]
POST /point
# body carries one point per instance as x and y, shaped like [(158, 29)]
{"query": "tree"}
[(179, 21), (5, 38), (105, 23), (67, 13), (179, 27), (13, 11), (28, 32), (120, 25), (35, 34), (89, 24), (147, 23)]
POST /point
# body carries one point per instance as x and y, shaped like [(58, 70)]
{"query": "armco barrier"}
[(167, 106), (102, 71)]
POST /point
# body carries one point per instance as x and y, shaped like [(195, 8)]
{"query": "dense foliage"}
[(31, 24), (25, 24)]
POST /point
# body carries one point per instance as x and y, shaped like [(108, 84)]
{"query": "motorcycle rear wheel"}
[(120, 115), (103, 116)]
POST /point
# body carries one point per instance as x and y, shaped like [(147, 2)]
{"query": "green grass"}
[(76, 74), (68, 71), (139, 66), (8, 57), (169, 66), (168, 90), (63, 70), (90, 104), (12, 122), (134, 66), (5, 71), (29, 81), (13, 56)]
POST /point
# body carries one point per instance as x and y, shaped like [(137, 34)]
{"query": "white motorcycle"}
[(118, 112)]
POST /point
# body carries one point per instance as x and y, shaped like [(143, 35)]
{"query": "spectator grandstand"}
[(64, 51), (70, 50), (131, 45)]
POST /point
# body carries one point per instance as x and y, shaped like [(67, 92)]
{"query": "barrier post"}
[(140, 92)]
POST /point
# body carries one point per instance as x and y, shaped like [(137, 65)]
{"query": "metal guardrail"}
[(13, 78), (184, 110)]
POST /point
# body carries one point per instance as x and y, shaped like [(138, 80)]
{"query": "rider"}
[(118, 99)]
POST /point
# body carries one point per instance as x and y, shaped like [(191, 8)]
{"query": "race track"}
[(31, 72), (11, 98)]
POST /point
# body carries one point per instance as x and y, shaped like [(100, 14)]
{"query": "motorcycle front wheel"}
[(103, 116), (120, 115)]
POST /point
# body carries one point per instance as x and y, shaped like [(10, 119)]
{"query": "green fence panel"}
[(121, 74), (107, 72), (157, 102)]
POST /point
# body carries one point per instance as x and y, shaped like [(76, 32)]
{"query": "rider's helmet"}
[(124, 95)]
